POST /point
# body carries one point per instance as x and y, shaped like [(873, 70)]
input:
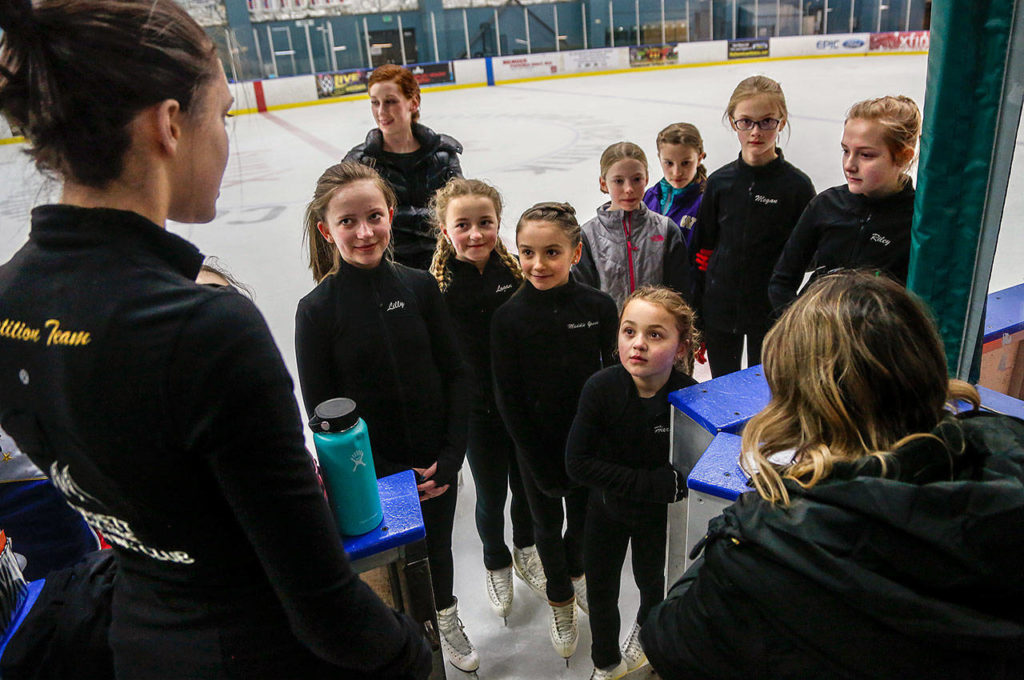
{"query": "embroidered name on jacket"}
[(878, 238), (661, 429), (758, 198), (397, 304), (582, 324), (502, 289)]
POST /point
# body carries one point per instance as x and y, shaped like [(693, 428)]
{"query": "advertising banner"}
[(820, 45), (900, 41), (653, 55), (747, 49), (603, 59), (433, 74), (341, 83), (525, 66)]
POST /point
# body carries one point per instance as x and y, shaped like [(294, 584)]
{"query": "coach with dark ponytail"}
[(161, 408)]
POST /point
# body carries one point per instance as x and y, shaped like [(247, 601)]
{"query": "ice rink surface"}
[(535, 141)]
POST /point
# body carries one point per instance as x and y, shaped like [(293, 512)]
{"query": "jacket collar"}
[(613, 219), (771, 168), (428, 139), (67, 226), (552, 295), (348, 271), (904, 195)]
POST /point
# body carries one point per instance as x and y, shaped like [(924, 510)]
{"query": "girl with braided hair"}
[(477, 274)]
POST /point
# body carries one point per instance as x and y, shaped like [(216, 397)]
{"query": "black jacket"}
[(544, 347), (912, 575), (383, 337), (841, 230), (472, 299), (164, 413), (745, 218), (619, 448), (433, 164)]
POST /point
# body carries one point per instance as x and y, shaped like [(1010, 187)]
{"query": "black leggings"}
[(605, 539), (562, 555), (492, 457), (725, 350), (439, 519)]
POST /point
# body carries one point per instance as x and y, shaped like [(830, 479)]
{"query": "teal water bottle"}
[(343, 447)]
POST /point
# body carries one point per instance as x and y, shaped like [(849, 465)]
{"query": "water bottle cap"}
[(334, 415)]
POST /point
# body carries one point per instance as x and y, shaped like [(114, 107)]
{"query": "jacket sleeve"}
[(236, 416), (512, 398), (795, 258), (455, 377), (666, 637), (589, 429), (318, 378), (676, 268), (585, 271), (705, 237)]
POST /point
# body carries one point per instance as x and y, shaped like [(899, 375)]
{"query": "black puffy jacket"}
[(917, 574), (434, 163)]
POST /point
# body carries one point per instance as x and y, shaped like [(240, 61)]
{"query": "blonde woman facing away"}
[(885, 537)]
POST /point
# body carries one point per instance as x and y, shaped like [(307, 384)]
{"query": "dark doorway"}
[(385, 48)]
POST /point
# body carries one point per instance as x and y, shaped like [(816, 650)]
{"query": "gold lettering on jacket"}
[(70, 338), (19, 330)]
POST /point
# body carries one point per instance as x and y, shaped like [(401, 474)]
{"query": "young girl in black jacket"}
[(477, 274), (748, 211), (551, 336), (864, 223), (619, 447), (379, 333)]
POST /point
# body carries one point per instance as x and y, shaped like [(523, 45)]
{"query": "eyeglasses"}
[(747, 124)]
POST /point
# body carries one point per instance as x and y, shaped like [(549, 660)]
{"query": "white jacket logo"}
[(502, 289), (397, 304), (765, 200), (878, 238), (582, 324)]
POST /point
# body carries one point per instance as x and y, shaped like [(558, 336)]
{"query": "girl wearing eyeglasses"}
[(749, 209)]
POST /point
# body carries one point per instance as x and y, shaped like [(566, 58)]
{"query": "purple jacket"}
[(682, 211)]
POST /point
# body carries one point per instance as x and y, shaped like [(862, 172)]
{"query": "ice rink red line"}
[(317, 143)]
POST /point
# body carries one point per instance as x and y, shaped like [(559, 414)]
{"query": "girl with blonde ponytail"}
[(864, 223)]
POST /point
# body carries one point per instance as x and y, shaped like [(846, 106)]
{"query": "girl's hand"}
[(429, 488)]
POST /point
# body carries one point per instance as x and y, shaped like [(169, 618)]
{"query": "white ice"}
[(535, 141)]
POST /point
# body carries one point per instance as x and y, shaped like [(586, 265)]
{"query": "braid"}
[(440, 264), (509, 260)]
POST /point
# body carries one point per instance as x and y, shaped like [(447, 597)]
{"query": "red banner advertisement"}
[(433, 74), (900, 41)]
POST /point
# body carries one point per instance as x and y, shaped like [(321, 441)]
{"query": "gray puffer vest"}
[(625, 250)]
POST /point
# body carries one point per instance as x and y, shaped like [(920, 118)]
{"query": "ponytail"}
[(74, 74)]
